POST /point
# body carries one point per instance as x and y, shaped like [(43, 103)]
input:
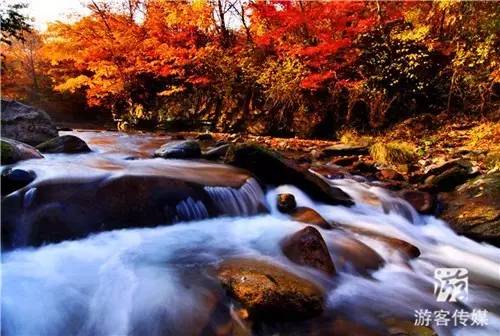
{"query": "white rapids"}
[(157, 281)]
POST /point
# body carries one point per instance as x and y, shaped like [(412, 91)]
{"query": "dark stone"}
[(71, 208), (25, 123), (448, 180), (441, 168), (286, 203), (15, 179), (270, 292), (187, 149), (271, 168), (307, 248), (13, 151), (422, 201), (217, 153), (344, 150), (309, 216), (68, 144)]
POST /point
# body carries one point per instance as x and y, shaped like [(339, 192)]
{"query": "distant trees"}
[(281, 67)]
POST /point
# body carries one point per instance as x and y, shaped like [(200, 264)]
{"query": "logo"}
[(451, 284)]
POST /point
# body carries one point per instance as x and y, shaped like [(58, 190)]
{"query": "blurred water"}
[(160, 281)]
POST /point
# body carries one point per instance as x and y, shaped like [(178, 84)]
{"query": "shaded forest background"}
[(303, 68)]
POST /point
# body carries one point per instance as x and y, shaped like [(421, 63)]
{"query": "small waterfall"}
[(190, 209), (243, 201)]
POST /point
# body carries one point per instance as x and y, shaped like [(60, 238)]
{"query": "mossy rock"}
[(274, 169), (14, 151), (473, 209), (68, 144)]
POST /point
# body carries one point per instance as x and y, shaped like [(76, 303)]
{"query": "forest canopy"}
[(268, 67)]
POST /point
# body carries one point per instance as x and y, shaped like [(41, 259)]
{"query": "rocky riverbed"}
[(216, 234)]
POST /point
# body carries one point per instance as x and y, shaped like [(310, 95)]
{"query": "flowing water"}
[(160, 281)]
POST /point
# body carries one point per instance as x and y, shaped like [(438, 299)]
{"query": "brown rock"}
[(344, 161), (270, 292), (342, 150), (306, 247), (422, 201), (390, 174), (398, 244), (309, 216), (349, 253), (286, 203)]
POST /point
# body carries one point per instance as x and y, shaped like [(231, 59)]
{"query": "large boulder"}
[(307, 248), (473, 209), (25, 123), (13, 151), (187, 149), (68, 144), (15, 179), (272, 168), (53, 209), (270, 292)]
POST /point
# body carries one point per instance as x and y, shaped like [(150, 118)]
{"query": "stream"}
[(159, 280)]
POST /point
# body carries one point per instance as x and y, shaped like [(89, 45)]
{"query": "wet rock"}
[(25, 123), (422, 201), (344, 150), (13, 151), (473, 209), (364, 167), (390, 174), (331, 172), (68, 144), (270, 292), (307, 248), (286, 203), (448, 180), (309, 216), (435, 170), (349, 254), (400, 245), (187, 149), (271, 168), (15, 179), (345, 161), (53, 210), (217, 153)]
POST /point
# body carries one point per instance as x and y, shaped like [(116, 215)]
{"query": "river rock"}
[(350, 254), (390, 174), (307, 248), (205, 137), (473, 209), (344, 150), (286, 203), (15, 179), (435, 170), (56, 209), (309, 216), (270, 292), (399, 245), (272, 168), (422, 201), (68, 144), (217, 153), (25, 123), (13, 151), (447, 180), (187, 149)]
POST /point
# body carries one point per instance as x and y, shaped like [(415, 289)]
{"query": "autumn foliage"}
[(281, 67)]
